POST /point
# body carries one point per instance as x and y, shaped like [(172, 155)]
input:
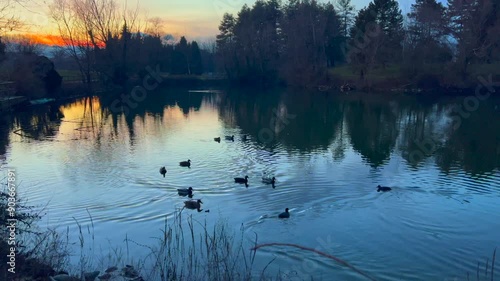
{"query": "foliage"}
[(268, 41), (298, 40), (346, 15), (103, 39)]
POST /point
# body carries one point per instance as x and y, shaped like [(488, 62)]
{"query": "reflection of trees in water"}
[(5, 126), (428, 132), (296, 120), (40, 123), (472, 146), (423, 131), (341, 141), (317, 124), (375, 127), (373, 130), (84, 119), (96, 113)]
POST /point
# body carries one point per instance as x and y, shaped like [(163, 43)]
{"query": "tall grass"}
[(190, 250), (186, 249), (489, 271)]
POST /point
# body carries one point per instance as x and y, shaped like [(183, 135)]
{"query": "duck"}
[(284, 215), (185, 163), (217, 139), (185, 191), (383, 188), (163, 171), (241, 180), (269, 180), (192, 204), (244, 137), (231, 138)]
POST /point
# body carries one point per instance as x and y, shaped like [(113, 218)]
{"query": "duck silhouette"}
[(163, 171), (383, 188), (193, 204), (241, 180), (185, 191), (284, 215), (185, 163), (269, 180)]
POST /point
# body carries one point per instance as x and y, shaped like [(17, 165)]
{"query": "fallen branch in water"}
[(315, 251), (23, 135)]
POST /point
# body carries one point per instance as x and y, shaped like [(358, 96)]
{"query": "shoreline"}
[(72, 91)]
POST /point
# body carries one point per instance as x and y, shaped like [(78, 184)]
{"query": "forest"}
[(305, 43)]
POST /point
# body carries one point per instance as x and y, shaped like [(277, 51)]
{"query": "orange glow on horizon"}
[(43, 39)]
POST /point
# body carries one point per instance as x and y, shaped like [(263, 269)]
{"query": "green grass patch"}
[(346, 72)]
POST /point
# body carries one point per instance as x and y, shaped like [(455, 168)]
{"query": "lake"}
[(96, 161)]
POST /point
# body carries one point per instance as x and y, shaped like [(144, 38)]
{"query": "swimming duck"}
[(244, 137), (241, 180), (185, 163), (163, 171), (269, 180), (191, 204), (383, 188), (217, 139), (284, 215), (185, 191), (231, 138)]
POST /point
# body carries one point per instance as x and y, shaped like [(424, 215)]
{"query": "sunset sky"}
[(197, 19)]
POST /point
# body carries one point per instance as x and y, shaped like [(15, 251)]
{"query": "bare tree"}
[(87, 26), (155, 27), (8, 20), (75, 35)]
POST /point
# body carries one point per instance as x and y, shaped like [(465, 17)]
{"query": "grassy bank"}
[(442, 78)]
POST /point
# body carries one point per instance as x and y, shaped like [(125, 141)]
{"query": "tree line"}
[(104, 43), (116, 45), (296, 42)]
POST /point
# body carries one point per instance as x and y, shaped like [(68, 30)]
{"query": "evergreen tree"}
[(195, 59), (426, 33), (390, 20), (182, 57), (335, 36), (346, 15), (459, 16), (472, 23), (427, 20), (226, 29), (364, 20), (377, 34), (225, 44), (365, 40)]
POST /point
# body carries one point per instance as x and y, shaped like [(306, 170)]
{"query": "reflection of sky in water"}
[(434, 223)]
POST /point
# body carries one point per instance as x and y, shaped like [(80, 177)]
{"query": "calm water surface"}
[(328, 152)]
